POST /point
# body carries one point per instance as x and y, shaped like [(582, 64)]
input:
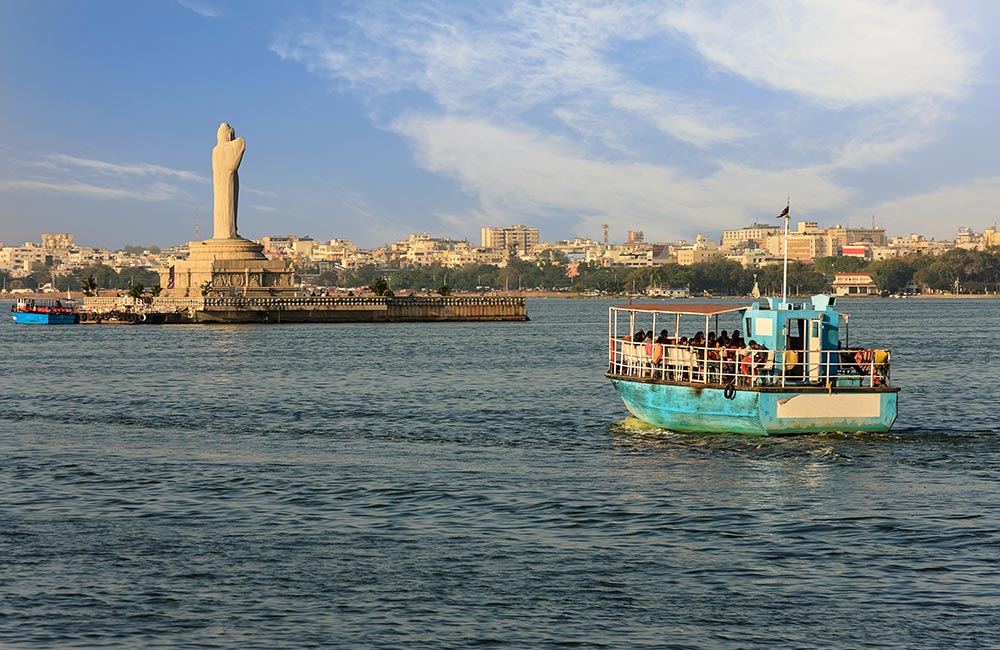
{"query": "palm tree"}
[(89, 285), (136, 291)]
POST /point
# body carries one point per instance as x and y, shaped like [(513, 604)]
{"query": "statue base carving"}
[(226, 249), (229, 267)]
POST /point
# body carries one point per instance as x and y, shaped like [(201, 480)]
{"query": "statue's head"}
[(226, 133)]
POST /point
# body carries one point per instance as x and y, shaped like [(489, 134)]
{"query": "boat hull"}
[(688, 408), (43, 318)]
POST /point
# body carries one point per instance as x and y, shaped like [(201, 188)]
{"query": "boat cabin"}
[(779, 343)]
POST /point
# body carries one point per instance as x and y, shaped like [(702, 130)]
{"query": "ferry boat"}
[(793, 373), (45, 312)]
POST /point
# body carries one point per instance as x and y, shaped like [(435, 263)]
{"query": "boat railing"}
[(746, 367)]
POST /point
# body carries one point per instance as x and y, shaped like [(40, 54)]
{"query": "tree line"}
[(968, 271), (102, 276)]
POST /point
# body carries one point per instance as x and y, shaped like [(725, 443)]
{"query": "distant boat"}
[(43, 312), (794, 374)]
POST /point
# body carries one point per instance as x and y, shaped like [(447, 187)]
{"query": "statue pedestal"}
[(229, 267)]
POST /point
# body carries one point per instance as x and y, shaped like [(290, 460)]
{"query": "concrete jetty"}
[(360, 310), (333, 309)]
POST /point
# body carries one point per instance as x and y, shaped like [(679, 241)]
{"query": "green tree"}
[(839, 264), (328, 278), (136, 291), (89, 285), (803, 279), (891, 275), (934, 276), (379, 286), (137, 274), (104, 277)]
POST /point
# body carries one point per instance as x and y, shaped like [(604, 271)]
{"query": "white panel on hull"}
[(837, 405)]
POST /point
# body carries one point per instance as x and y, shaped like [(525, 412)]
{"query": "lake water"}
[(476, 485)]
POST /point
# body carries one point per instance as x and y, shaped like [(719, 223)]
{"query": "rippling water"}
[(462, 485)]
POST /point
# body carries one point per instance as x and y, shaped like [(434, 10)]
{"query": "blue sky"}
[(371, 120)]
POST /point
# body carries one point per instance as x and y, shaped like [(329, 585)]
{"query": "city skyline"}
[(370, 121)]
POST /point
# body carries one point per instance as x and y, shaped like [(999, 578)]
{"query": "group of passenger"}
[(716, 358)]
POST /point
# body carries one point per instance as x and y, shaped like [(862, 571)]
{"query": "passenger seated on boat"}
[(875, 364), (714, 362), (730, 358), (685, 359), (765, 371), (628, 356), (751, 361), (660, 355), (656, 360), (745, 356)]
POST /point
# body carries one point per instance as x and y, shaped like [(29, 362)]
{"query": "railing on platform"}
[(747, 366), (334, 301)]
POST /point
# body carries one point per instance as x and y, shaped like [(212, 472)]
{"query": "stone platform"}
[(360, 310)]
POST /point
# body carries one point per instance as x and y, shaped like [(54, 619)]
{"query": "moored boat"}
[(790, 370), (44, 312)]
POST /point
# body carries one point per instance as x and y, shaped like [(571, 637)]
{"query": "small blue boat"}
[(787, 369), (43, 312)]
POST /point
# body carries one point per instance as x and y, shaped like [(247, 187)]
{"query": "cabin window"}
[(763, 327)]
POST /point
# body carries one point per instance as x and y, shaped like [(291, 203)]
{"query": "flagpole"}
[(784, 283)]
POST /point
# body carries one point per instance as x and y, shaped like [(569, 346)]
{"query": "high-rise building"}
[(56, 241), (753, 236), (516, 238)]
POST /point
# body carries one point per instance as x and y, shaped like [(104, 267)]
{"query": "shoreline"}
[(78, 295)]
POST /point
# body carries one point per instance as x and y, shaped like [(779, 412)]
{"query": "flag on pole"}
[(170, 279), (784, 213)]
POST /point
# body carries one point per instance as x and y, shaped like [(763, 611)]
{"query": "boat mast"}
[(784, 282)]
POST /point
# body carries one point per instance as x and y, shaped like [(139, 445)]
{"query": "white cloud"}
[(524, 173), (99, 179), (258, 192), (533, 59), (154, 192), (595, 112), (835, 52), (201, 8), (137, 169)]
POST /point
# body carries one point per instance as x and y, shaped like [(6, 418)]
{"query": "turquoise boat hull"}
[(688, 408), (43, 318)]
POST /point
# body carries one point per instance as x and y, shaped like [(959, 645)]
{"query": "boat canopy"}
[(686, 310)]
